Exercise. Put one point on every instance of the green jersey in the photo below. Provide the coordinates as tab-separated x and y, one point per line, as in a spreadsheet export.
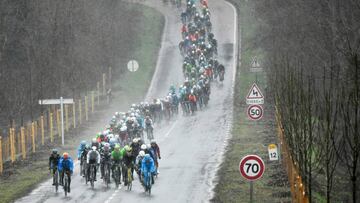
116	155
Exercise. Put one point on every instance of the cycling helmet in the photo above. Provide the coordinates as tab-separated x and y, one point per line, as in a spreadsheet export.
143	147
87	147
142	153
135	140
94	140
54	151
117	147
106	147
65	155
128	149
153	142
93	148
148	146
83	143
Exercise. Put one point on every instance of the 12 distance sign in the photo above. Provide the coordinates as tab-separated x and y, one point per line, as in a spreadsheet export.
252	167
255	112
273	152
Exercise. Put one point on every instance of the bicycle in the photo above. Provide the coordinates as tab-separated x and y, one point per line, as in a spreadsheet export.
56	179
147	183
83	166
106	174
149	133
66	182
117	174
92	175
129	179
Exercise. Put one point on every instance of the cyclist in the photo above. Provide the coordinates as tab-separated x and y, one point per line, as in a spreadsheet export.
155	151
66	165
116	158
147	165
80	151
148	123
128	162
93	157
135	145
105	158
54	161
138	163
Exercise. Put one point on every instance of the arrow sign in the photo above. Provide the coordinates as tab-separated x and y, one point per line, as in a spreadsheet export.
254	96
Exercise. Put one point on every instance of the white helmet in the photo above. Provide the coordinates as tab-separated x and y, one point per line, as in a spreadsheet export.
143	147
124	128
142	153
93	148
135	140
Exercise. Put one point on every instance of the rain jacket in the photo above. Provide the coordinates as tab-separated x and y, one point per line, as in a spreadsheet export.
147	167
80	150
66	164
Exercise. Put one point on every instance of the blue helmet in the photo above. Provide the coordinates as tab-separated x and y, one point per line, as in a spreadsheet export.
83	143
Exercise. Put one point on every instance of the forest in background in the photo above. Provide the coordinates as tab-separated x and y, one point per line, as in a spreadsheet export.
312	59
52	48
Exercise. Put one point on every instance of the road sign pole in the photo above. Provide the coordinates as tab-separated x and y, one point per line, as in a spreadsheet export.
251	191
62	120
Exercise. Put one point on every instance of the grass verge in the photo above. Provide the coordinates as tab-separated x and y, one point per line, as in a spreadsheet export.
23	176
250	137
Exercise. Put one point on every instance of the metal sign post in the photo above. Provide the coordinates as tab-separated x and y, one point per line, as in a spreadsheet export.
252	168
60	101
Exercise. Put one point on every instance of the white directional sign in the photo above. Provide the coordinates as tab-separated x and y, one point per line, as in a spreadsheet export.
55	101
255	112
133	65
251	167
273	152
254	96
60	101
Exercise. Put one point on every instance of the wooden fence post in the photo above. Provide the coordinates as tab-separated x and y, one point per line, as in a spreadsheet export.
1	160
12	145
23	144
80	114
33	137
66	117
51	128
86	108
58	122
42	130
92	101
74	114
98	93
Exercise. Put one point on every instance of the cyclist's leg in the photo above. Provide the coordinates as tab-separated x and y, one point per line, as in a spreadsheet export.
102	166
62	178
69	175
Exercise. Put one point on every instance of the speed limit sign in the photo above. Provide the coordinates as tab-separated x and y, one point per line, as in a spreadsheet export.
255	112
252	167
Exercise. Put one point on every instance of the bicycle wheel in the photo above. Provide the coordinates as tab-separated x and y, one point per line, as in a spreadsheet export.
92	173
56	179
106	175
65	184
129	179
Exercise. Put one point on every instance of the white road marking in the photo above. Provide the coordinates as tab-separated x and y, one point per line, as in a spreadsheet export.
113	195
230	115
172	127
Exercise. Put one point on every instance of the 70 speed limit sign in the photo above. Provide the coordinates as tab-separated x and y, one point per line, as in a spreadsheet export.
255	112
252	167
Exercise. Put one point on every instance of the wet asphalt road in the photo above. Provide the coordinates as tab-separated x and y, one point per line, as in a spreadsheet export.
191	147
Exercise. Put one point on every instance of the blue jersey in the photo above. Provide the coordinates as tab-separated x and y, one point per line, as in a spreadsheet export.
66	164
147	167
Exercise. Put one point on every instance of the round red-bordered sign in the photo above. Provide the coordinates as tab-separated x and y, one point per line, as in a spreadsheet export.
255	112
251	167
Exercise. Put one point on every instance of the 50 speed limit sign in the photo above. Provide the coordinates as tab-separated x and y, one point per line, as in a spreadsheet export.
252	167
255	112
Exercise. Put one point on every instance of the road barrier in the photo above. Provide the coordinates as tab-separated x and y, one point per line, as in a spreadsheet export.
297	187
19	141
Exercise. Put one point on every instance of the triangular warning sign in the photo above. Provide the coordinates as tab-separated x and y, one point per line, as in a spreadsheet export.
255	63
255	93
